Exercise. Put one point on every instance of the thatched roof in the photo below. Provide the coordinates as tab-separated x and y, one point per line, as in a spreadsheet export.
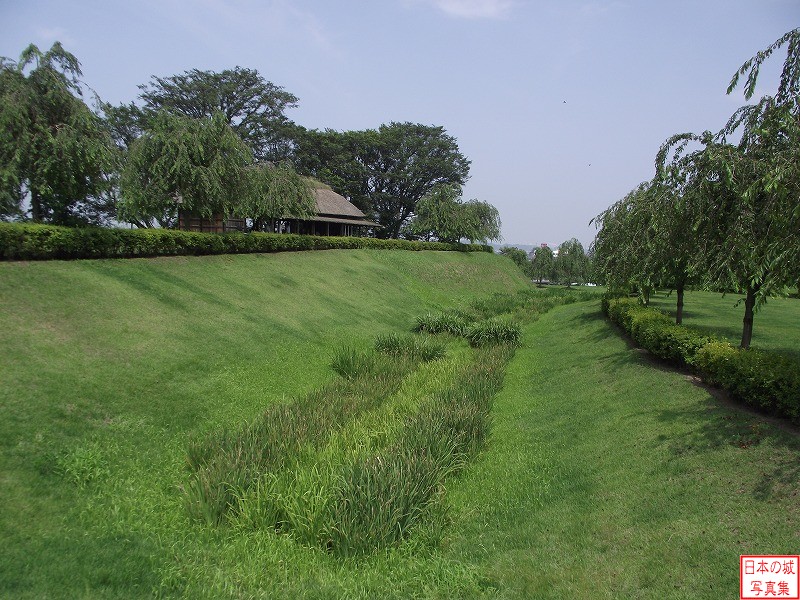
330	203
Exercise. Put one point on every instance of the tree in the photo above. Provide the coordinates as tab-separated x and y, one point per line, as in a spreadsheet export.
748	193
275	192
443	216
542	264
252	106
385	172
482	222
54	149
571	264
623	247
181	163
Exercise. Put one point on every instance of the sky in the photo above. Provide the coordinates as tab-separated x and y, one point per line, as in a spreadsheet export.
560	105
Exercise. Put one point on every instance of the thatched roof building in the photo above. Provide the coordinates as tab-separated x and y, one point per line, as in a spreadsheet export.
335	215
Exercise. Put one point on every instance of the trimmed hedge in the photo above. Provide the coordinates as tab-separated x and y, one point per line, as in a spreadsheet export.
655	332
19	241
765	380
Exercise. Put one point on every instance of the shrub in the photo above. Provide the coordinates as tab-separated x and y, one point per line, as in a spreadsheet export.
654	331
765	380
20	241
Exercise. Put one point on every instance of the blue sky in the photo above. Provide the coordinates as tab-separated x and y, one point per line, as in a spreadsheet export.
561	105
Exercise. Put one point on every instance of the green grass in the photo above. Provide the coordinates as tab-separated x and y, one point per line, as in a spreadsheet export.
111	367
609	478
776	326
602	477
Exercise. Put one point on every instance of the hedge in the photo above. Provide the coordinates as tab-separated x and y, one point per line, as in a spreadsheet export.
765	380
19	241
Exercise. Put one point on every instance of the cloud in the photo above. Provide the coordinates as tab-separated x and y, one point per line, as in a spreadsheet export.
475	9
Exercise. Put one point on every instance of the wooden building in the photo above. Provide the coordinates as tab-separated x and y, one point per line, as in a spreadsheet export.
335	216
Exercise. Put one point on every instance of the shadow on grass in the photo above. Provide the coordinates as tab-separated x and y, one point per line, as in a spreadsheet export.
719	422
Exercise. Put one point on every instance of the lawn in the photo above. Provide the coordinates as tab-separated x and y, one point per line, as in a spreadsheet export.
603	477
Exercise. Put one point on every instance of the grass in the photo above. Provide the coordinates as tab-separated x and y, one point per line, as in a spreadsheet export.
776	326
609	478
111	367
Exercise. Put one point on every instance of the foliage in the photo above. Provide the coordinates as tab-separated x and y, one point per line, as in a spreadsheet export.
443	216
519	256
46	242
654	331
571	265
765	380
726	215
186	164
386	171
274	192
542	263
252	106
53	148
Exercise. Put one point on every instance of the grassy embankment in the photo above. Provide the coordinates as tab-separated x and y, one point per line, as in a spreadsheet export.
111	368
603	477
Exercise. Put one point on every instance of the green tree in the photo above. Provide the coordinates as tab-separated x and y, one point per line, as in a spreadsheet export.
441	215
748	193
53	148
252	106
542	264
275	192
571	264
624	248
181	163
385	172
482	222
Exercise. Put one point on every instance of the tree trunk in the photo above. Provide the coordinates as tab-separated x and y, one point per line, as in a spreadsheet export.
679	311
36	207
747	329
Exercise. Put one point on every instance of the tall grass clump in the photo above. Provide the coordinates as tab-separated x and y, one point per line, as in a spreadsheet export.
415	347
225	465
381	498
350	362
452	322
496	304
493	332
